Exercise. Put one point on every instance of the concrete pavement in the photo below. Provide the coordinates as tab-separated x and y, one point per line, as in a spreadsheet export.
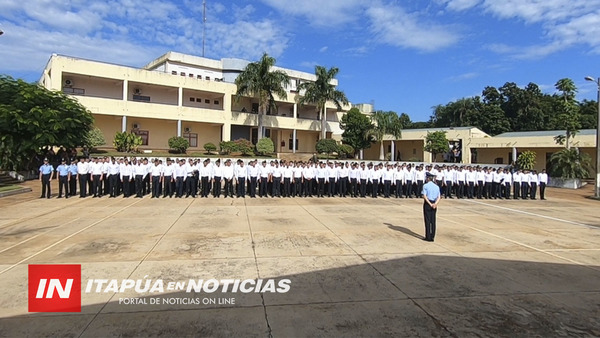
358	267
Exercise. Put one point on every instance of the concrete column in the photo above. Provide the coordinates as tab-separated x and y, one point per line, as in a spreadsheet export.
294	134
180	97
227	103
125	89
295	111
226	132
426	155
466	153
361	154
179	127
124	124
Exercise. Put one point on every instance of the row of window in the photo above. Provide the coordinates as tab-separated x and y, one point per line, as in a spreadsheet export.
199	100
145	135
199	77
193	138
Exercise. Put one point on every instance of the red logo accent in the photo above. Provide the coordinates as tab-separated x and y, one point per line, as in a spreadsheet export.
54	288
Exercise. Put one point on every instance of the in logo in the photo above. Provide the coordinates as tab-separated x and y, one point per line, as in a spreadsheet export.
54	288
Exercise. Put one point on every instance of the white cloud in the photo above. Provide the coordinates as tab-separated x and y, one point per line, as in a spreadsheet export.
319	12
40	44
243	13
460	5
309	64
393	26
464	76
248	40
130	32
323	49
565	23
217	7
540	10
357	51
526	52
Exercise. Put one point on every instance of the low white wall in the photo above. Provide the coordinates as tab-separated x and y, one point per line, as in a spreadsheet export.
567	183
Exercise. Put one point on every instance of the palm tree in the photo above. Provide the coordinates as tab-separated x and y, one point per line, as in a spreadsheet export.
322	91
569	116
385	123
570	163
258	80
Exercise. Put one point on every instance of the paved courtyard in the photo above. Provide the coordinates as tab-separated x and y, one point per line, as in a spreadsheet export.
358	267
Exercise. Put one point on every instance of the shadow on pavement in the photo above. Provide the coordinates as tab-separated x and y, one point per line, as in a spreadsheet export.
423	295
404	230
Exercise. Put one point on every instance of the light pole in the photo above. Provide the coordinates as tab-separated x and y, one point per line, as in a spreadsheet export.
597	191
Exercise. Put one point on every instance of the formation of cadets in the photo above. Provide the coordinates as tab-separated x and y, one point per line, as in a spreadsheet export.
192	177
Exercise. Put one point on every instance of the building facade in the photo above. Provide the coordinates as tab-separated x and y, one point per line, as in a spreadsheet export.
194	97
187	96
476	147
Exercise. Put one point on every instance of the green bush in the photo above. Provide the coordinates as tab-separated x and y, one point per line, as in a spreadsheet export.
179	144
244	146
94	138
327	146
265	146
526	160
210	147
227	147
570	163
127	142
345	150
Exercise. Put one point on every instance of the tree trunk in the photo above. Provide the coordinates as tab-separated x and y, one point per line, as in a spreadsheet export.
381	151
567	140
260	132
323	123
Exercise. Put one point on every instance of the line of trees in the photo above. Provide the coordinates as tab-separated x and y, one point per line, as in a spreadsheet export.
511	108
33	118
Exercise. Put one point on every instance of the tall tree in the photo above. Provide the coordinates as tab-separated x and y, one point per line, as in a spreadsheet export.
405	121
569	110
436	143
530	116
322	91
259	80
385	123
588	111
489	117
356	127
33	117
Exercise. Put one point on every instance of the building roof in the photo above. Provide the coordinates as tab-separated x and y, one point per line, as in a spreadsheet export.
544	133
229	64
442	129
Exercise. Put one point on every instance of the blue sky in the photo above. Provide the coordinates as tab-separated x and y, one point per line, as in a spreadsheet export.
406	56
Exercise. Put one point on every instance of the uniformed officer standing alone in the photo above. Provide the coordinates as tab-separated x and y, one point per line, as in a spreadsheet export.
62	171
431	197
46	171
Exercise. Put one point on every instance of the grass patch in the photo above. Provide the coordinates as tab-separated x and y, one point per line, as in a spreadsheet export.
11	187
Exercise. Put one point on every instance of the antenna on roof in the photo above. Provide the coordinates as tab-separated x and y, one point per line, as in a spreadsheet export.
203	25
